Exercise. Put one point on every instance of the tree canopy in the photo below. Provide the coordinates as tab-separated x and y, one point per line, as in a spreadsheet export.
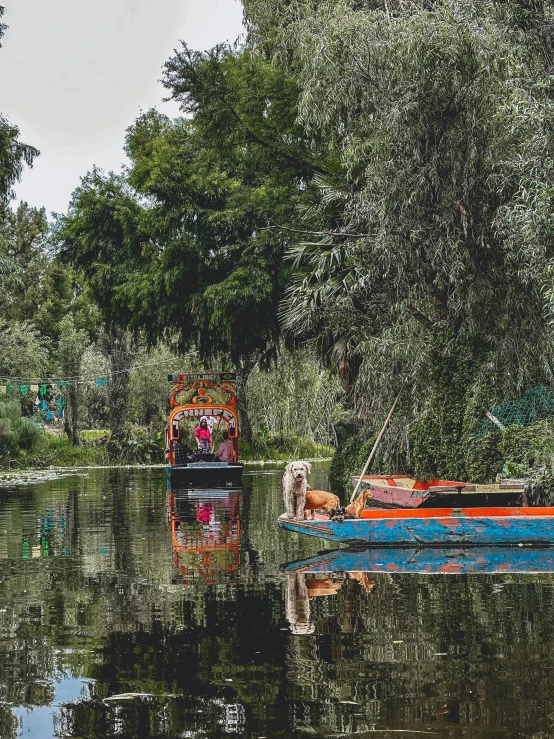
372	177
202	258
440	117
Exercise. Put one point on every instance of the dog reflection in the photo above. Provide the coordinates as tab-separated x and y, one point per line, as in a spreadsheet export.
297	604
301	588
364	580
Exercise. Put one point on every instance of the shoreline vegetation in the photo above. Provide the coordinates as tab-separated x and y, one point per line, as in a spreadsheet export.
143	448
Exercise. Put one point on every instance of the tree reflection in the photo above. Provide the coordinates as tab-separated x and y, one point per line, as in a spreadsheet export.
183	600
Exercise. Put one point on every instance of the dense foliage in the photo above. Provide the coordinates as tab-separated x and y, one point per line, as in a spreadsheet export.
372	178
440	118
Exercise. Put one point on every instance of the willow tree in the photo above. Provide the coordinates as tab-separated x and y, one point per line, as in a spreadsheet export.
440	116
13	153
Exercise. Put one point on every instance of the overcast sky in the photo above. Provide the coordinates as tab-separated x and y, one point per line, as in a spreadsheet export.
74	74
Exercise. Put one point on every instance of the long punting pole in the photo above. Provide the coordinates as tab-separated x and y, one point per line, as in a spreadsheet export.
377	440
213	434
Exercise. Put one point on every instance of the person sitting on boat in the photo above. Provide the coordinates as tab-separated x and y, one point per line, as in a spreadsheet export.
203	435
226	451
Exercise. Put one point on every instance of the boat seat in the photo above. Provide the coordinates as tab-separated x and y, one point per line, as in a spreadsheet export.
180	453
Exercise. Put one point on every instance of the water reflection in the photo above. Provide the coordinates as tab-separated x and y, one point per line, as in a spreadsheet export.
301	588
429	561
205	533
128	611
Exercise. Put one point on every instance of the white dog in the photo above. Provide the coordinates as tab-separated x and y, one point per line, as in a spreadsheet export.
294	489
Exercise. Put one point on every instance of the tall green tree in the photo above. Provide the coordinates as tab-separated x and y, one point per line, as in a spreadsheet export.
14	155
102	238
440	117
216	184
2	25
23	235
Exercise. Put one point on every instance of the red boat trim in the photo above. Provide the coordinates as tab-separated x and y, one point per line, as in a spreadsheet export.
376	513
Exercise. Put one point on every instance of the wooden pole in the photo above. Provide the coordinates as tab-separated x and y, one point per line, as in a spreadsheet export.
495	420
377	440
214	433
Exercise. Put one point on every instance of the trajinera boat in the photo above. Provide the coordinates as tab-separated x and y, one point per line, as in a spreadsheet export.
434	527
210	394
403	491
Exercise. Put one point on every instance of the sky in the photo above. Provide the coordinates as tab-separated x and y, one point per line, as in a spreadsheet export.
74	74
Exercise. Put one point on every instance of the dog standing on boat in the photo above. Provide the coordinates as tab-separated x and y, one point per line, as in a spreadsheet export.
295	483
319	500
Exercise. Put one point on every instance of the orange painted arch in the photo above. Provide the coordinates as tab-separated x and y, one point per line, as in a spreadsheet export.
227	413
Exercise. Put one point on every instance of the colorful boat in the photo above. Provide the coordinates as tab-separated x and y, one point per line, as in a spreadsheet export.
210	394
429	561
403	491
434	527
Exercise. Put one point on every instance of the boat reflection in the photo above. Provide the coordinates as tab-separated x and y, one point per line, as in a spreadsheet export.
205	534
332	572
302	587
431	560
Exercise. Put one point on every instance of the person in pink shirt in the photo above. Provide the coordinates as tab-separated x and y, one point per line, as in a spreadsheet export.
225	453
203	435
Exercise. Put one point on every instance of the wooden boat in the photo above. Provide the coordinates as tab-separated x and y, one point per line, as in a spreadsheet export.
434	527
403	491
210	394
429	561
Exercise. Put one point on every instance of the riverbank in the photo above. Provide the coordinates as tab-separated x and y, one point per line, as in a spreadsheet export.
143	447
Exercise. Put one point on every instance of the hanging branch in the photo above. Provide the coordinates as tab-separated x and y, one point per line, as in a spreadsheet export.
315	233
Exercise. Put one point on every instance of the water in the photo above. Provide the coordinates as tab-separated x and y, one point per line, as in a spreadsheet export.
111	586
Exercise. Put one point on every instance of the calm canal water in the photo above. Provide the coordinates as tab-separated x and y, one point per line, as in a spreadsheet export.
110	585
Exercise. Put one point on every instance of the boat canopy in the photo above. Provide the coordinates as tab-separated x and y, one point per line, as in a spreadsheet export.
203	394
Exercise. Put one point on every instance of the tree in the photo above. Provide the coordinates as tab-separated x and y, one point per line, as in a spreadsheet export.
440	116
13	156
23	351
23	246
2	25
117	348
216	184
71	348
102	238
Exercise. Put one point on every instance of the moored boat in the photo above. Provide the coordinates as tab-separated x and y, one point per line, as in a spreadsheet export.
403	491
434	527
210	394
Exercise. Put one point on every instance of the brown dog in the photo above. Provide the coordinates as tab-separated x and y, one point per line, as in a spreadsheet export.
320	500
357	506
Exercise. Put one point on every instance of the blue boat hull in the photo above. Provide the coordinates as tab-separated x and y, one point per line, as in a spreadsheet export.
451	529
430	561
